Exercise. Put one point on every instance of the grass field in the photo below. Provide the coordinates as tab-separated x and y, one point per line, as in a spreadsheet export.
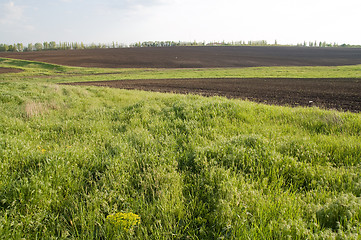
74	158
44	72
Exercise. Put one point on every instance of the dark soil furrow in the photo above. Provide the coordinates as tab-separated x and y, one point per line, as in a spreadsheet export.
196	57
340	94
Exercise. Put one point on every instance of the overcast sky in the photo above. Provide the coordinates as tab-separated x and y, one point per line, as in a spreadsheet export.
129	21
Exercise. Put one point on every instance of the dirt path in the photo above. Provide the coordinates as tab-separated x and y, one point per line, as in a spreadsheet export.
340	94
196	57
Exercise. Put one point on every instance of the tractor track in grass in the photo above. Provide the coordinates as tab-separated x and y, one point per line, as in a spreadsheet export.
9	70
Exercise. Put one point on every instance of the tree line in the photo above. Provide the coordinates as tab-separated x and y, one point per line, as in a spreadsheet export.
195	43
20	47
324	44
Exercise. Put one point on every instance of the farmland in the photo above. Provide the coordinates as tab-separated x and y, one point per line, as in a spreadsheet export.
342	94
191	167
195	57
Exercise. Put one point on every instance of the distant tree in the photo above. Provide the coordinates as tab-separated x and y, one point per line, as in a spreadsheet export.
30	47
65	46
19	47
46	45
93	46
38	46
52	45
15	48
11	48
4	47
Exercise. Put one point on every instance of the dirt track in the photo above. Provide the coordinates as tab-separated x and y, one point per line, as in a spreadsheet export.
341	94
196	57
9	70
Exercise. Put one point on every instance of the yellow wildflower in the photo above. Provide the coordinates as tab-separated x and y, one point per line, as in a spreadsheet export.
125	221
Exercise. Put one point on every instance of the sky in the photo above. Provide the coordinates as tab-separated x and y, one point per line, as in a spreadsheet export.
130	21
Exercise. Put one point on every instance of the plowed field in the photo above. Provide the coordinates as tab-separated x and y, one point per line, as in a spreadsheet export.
196	57
341	94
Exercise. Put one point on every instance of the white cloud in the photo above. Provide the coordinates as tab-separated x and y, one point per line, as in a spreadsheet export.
13	21
11	13
126	5
128	21
130	3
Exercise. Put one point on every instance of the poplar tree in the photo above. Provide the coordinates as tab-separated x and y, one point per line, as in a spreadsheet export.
46	45
30	47
19	47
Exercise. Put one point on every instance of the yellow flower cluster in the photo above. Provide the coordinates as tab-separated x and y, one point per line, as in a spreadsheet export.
42	149
124	221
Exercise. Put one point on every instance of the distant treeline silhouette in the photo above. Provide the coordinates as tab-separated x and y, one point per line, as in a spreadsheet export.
19	47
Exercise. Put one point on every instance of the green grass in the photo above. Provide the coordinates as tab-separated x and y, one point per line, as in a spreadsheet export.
191	167
44	72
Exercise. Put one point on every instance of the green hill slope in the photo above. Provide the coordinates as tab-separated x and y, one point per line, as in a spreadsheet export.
190	167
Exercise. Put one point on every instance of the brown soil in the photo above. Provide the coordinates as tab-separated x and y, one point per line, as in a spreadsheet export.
196	57
340	94
9	70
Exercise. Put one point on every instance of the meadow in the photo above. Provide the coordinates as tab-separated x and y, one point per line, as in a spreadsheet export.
83	162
